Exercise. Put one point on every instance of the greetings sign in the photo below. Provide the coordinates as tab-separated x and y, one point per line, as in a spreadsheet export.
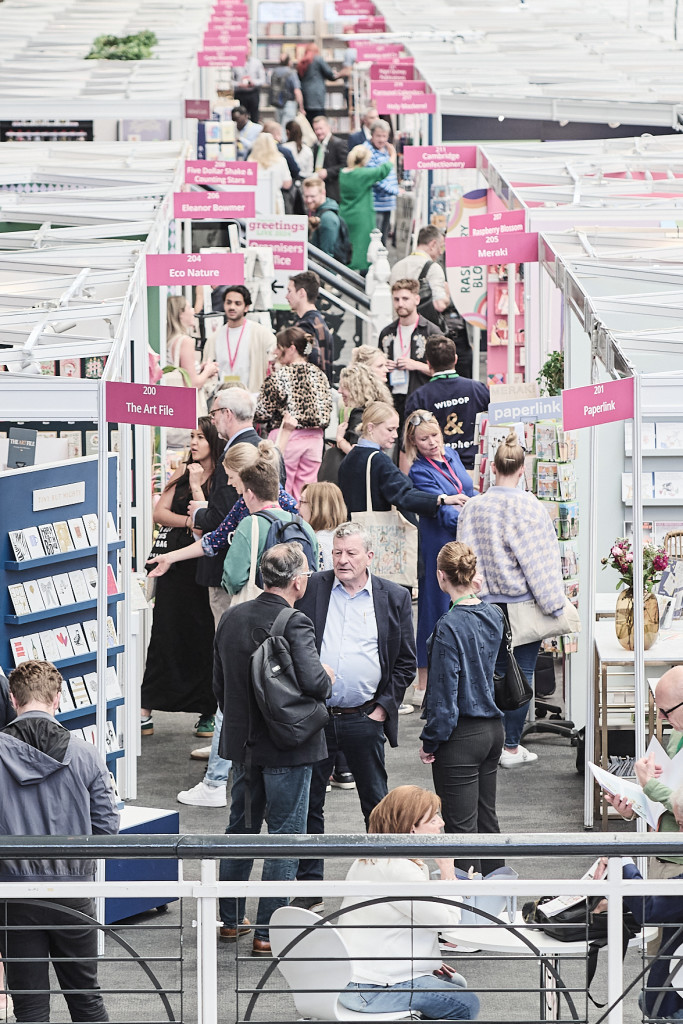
439	158
494	238
221	172
597	403
288	239
213	205
195	268
152	405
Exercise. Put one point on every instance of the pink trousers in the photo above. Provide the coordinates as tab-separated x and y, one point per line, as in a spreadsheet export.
303	455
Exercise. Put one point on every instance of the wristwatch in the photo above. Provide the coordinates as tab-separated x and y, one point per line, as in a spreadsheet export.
441	500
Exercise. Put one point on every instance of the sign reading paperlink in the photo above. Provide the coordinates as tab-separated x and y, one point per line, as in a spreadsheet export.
438	158
213	205
494	238
525	409
597	403
195	268
400	102
152	405
221	172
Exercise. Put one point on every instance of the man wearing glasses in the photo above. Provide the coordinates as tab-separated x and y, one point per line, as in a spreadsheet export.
669	701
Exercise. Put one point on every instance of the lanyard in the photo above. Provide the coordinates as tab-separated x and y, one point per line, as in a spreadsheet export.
405	351
465	597
233	359
458	485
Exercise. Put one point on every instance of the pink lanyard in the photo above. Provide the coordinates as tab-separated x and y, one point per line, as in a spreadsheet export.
233	359
458	485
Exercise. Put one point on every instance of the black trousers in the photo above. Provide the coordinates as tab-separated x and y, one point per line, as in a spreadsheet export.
249	98
464	773
31	936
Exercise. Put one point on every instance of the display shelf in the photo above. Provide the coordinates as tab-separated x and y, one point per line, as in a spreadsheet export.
80	659
64	556
658	453
115	755
89	709
264	40
654	502
63	609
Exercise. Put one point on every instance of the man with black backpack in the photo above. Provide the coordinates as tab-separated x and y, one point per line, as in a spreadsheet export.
424	267
330	232
284	91
264	644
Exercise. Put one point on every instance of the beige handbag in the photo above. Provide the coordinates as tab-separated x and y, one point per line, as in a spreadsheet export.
394	539
529	623
249	591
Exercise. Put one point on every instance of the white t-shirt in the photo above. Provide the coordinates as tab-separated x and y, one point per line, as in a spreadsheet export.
233	357
399	378
303	158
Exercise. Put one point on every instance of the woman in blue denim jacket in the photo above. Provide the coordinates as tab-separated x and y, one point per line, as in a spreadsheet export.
463	734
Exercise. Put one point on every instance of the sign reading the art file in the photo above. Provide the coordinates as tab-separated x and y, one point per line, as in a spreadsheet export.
195	268
406	103
213	205
597	403
152	405
221	172
494	238
438	158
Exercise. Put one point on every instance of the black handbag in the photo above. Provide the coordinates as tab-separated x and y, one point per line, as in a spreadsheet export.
512	690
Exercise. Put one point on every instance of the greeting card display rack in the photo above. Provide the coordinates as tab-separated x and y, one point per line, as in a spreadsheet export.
24	493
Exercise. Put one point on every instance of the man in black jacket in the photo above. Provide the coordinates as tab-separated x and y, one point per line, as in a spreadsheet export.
276	781
403	342
329	156
364	630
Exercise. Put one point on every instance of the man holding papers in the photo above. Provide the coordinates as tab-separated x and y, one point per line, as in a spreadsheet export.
660	772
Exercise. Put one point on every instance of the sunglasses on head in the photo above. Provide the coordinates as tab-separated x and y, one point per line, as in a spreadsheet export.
420	417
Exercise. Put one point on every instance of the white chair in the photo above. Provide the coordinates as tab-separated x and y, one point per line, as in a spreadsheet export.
319	960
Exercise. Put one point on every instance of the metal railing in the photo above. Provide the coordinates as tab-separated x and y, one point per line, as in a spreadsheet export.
256	991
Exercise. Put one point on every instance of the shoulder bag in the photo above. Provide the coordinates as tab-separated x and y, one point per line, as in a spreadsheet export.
394	539
512	690
529	623
249	591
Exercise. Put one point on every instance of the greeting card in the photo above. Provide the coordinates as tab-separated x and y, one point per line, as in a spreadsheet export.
19	651
35	545
669	435
79	692
90	523
49	539
19	599
63	643
112	635
90	630
65	594
90	575
668	485
64	537
113	685
19	546
112	585
34	648
50	645
112	532
77	638
48	592
74	440
66	701
78	534
78	585
546	480
34	596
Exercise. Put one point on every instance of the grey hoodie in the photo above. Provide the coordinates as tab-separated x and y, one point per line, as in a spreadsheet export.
51	784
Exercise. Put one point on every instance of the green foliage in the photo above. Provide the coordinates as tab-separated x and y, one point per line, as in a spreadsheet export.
551	377
137	47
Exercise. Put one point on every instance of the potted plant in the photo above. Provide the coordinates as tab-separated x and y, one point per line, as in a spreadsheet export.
655	561
551	377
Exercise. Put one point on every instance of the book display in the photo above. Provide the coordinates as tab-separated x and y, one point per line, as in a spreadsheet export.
48	586
501	302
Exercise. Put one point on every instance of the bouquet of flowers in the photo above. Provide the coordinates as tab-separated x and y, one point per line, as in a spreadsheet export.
655	561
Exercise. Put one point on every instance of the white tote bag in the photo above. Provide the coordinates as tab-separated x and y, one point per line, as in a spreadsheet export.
394	539
529	623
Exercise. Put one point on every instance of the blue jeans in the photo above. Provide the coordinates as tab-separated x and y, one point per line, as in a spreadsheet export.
362	740
383	222
435	998
286	113
218	769
280	796
526	655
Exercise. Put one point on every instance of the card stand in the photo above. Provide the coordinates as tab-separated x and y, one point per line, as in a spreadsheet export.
87	710
80	659
63	609
64	556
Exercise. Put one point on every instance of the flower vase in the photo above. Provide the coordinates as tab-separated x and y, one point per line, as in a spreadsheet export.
623	620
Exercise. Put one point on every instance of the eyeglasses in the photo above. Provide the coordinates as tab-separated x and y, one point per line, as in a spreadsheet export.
670	710
420	417
309	573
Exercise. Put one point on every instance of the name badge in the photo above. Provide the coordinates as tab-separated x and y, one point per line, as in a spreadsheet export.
397	378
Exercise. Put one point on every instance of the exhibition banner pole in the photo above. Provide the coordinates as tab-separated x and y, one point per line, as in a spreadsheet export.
512	295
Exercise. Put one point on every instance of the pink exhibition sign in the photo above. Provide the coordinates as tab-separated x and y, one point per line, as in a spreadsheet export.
287	256
355	7
198	109
503	223
593	404
213	205
474	252
195	268
151	405
220	58
378	51
221	172
406	103
398	70
439	158
370	25
380	89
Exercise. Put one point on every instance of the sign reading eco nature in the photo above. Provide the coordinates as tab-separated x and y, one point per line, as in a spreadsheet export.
195	268
213	205
597	403
400	102
438	158
221	172
494	238
152	405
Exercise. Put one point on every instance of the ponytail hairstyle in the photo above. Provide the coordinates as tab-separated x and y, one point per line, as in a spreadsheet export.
509	456
297	337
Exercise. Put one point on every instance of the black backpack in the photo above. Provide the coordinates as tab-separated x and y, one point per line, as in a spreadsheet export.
290	716
285	531
426	306
343	250
277	91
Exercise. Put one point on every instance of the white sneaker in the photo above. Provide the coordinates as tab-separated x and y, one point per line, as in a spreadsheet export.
405	709
523	756
200	753
414	696
203	795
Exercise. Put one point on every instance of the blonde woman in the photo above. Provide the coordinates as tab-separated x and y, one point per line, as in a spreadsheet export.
375	360
180	347
359	388
356	206
267	156
323	508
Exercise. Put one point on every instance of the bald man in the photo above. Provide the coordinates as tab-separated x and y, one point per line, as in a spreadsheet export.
669	701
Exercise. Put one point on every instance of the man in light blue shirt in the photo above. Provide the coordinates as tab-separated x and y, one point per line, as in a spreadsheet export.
247	131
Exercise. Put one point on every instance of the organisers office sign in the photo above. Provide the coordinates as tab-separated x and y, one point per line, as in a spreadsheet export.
287	237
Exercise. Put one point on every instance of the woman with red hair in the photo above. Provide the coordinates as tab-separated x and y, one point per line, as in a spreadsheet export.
313	71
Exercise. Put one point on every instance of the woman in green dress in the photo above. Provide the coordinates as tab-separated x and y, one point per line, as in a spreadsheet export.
356	206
